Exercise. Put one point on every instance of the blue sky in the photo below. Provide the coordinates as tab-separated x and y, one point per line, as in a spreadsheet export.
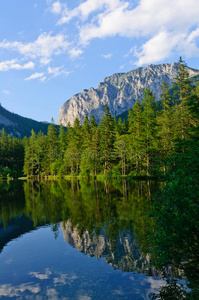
51	50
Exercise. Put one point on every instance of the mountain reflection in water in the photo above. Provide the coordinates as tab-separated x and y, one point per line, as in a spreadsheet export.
125	256
101	219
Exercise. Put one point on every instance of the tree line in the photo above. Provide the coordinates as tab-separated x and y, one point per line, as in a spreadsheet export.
138	146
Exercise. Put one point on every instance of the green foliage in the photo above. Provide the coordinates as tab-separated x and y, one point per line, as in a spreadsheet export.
173	290
11	155
107	138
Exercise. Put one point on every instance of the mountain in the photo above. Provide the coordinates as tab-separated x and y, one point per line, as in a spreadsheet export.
18	126
119	91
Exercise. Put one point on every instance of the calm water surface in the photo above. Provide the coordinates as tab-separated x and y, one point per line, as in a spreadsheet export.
76	240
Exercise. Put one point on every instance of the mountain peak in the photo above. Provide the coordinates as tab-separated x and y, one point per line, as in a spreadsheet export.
119	91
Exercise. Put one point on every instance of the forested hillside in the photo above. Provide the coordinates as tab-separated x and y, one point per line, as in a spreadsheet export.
18	126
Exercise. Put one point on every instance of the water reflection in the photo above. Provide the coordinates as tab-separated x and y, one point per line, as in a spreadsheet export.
126	255
107	221
115	211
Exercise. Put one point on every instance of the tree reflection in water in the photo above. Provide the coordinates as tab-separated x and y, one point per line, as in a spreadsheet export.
109	219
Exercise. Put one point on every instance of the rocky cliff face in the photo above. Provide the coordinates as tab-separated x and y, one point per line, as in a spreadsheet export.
124	254
119	91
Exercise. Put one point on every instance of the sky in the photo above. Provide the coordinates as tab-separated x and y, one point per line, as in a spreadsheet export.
51	49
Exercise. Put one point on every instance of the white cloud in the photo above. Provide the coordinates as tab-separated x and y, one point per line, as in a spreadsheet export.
43	78
56	7
188	46
57	71
44	47
165	26
45	61
107	55
36	76
75	52
15	65
54	72
85	9
157	48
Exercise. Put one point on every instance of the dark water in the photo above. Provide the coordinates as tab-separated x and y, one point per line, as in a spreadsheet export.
76	240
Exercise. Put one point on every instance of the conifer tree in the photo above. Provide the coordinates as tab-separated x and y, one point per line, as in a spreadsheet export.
121	150
39	153
30	154
107	138
4	148
193	106
86	133
150	127
74	148
136	136
121	127
62	140
52	147
86	148
95	140
165	123
183	92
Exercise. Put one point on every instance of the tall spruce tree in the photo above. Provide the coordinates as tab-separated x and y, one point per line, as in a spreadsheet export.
95	141
182	93
107	139
136	136
150	128
165	124
193	106
30	154
74	148
86	148
52	153
4	148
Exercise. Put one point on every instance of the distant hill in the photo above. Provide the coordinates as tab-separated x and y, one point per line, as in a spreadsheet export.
19	126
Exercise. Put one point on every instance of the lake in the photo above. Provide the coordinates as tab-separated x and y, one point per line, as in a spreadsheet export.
76	240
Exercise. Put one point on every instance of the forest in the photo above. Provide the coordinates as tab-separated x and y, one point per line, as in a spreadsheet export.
143	145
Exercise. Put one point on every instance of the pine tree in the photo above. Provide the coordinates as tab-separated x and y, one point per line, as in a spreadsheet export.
136	136
120	126
121	150
62	140
52	146
193	106
183	92
95	141
165	123
107	138
30	154
39	152
4	148
86	148
150	127
73	152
